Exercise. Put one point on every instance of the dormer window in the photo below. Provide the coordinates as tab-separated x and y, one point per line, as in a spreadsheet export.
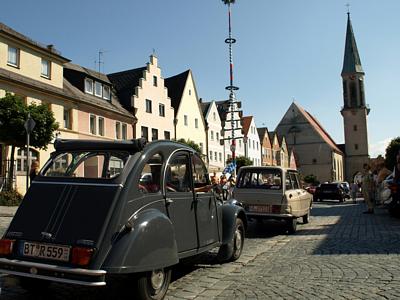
106	92
46	68
89	86
98	89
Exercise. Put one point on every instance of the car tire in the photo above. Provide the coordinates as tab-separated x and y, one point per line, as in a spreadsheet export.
233	250
291	225
306	218
34	285
153	285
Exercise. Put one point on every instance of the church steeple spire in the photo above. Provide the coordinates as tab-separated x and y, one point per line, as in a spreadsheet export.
352	62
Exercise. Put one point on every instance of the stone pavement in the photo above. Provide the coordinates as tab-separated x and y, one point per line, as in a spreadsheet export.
340	254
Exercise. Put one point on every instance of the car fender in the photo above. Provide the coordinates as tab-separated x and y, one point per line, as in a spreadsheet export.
231	210
146	243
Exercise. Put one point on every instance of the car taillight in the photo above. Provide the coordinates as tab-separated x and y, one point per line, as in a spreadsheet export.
81	256
6	246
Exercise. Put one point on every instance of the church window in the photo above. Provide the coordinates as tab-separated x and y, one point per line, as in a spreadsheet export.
356	146
353	94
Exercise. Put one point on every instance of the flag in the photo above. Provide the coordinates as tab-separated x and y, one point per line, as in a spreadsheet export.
230	168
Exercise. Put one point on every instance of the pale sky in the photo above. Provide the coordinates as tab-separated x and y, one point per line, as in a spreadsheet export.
285	50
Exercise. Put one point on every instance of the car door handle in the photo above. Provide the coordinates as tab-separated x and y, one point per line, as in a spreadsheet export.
169	201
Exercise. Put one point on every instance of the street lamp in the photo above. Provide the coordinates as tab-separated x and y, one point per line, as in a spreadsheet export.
29	125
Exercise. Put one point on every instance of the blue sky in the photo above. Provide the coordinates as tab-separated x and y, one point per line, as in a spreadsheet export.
285	50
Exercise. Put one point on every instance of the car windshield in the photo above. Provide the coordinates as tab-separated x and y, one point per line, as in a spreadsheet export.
261	179
86	164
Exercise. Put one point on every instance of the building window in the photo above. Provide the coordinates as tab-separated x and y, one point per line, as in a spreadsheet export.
92	124
211	155
214	116
117	130
101	126
185	120
196	123
161	110
154	134
154	80
148	106
355	127
46	68
21	158
167	135
124	131
98	89
212	135
88	86
215	156
356	146
314	161
257	145
13	56
67	118
106	92
190	92
217	136
145	133
220	156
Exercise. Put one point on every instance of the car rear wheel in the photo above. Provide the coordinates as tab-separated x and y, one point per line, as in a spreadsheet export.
153	285
306	218
291	225
233	250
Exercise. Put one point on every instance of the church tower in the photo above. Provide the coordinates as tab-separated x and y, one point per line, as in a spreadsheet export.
355	110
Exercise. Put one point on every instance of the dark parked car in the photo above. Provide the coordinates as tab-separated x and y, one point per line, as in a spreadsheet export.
331	191
100	208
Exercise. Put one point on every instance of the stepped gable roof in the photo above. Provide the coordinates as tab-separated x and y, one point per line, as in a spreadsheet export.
92	73
125	83
318	128
246	121
49	49
176	85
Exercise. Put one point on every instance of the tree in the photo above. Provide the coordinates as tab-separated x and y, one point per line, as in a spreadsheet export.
311	179
240	162
192	144
13	114
391	152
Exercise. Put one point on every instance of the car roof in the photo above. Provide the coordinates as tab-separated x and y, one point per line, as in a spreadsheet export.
266	168
131	146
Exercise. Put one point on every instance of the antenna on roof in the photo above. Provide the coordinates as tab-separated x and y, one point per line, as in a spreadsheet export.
99	62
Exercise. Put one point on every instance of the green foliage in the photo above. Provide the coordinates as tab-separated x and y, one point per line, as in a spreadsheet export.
14	113
10	198
192	144
391	152
240	162
311	179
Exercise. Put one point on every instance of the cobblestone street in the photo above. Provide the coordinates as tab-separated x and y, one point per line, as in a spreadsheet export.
340	254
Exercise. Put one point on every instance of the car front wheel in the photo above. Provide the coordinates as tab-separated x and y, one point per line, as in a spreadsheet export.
233	250
153	285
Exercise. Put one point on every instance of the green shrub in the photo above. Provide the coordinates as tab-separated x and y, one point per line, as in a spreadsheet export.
10	198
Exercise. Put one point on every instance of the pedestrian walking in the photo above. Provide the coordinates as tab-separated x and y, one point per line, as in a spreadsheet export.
34	170
354	191
367	187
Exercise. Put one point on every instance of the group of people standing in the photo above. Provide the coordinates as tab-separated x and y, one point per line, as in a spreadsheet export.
372	184
223	185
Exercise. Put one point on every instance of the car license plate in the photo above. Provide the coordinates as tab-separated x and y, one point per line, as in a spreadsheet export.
260	208
48	251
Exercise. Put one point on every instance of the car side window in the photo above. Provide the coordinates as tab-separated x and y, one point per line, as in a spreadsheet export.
150	176
200	176
294	181
288	182
177	177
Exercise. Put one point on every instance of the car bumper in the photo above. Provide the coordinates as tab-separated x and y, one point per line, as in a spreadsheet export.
269	215
53	273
